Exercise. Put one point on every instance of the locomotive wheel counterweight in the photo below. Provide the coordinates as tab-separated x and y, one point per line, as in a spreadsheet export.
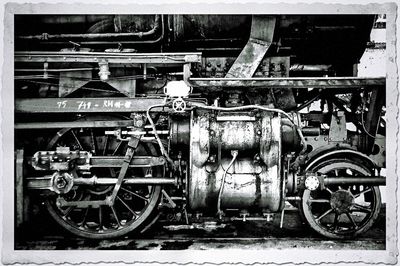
134	205
341	211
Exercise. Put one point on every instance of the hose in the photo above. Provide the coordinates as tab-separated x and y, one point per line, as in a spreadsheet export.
234	155
246	107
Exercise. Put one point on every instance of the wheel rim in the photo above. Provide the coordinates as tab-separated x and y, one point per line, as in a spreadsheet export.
134	204
341	211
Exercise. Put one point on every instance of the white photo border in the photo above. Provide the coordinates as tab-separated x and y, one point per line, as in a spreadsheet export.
213	257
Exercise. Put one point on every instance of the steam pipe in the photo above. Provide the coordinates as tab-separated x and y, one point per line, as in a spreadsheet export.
157	23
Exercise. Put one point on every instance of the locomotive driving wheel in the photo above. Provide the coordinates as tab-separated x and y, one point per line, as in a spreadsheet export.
341	212
135	205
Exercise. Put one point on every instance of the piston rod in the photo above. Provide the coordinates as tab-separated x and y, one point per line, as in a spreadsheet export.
46	182
127	181
372	180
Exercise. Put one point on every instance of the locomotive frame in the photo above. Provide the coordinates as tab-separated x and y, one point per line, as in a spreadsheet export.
132	105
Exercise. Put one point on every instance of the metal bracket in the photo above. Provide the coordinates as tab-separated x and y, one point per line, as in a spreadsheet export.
338	130
262	32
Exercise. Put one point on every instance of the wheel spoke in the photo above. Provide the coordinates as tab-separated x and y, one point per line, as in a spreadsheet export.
100	217
127	206
99	221
335	222
68	211
344	200
360	208
362	192
134	194
352	220
83	222
115	215
336	172
105	145
116	149
93	141
323	215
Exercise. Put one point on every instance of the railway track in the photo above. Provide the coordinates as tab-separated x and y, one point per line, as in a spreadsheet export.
255	235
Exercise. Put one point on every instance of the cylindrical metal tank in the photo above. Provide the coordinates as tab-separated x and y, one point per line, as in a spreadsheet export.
254	180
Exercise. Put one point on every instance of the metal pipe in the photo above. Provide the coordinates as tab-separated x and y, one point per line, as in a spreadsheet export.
74	124
294	198
103	35
129	181
55	69
311	131
373	180
221	190
299	67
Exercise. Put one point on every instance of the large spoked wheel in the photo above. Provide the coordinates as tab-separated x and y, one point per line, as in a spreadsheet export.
342	212
135	205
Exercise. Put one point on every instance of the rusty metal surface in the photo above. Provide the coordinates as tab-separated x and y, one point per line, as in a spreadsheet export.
250	183
261	35
247	185
248	61
235	135
337	129
305	83
84	105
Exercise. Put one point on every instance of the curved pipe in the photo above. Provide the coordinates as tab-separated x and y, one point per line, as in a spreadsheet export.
158	22
221	189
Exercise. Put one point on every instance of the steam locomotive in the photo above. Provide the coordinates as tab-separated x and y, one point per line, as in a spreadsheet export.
121	120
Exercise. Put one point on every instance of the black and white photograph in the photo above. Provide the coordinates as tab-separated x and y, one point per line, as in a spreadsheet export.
240	134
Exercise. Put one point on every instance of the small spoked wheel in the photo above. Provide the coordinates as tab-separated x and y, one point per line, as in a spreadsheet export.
342	212
135	205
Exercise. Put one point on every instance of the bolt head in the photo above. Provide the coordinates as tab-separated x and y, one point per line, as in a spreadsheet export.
61	182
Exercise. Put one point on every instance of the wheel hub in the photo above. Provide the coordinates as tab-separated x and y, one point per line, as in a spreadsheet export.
341	201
